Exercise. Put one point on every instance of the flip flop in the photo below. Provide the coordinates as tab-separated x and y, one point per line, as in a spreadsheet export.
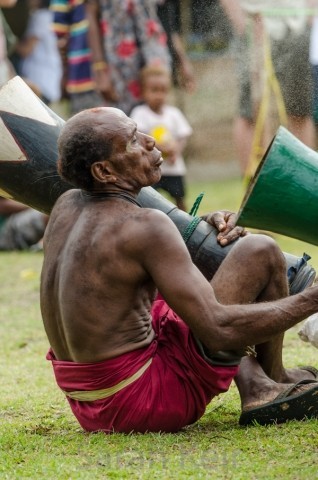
285	406
310	369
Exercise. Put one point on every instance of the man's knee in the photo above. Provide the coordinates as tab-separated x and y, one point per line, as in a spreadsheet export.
262	248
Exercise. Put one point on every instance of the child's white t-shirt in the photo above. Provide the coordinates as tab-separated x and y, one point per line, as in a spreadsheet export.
171	122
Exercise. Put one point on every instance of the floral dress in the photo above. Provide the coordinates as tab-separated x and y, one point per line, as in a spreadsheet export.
133	37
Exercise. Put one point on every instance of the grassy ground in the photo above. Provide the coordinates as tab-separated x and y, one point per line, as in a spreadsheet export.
39	438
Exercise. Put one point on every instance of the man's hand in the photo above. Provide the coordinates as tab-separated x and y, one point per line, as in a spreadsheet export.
225	222
104	85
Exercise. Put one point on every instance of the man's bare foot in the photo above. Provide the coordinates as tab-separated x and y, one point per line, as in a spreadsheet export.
263	396
269	396
296	402
294	375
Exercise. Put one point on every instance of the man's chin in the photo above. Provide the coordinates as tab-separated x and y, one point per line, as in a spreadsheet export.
157	179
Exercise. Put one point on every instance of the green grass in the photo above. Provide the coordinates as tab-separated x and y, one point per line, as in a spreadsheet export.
39	438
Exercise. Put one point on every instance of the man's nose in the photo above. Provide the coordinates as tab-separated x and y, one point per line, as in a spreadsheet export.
150	142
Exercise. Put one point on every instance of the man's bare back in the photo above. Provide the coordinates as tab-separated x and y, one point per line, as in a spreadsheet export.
111	294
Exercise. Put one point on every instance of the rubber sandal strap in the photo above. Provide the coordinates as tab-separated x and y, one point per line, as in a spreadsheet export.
287	393
310	369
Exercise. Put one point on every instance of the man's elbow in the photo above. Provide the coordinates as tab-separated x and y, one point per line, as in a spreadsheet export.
220	333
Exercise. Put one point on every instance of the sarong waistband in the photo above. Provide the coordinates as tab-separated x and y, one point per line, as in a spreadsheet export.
91	395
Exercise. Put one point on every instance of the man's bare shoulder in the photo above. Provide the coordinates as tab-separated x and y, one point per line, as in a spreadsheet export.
68	200
66	208
156	221
154	228
67	196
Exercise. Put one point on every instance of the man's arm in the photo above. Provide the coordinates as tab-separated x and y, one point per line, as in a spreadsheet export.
187	78
100	69
163	254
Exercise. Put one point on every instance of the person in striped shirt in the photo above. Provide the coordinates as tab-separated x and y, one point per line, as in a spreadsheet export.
71	27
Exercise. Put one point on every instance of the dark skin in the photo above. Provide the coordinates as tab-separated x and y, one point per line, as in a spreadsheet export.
9	207
105	258
101	74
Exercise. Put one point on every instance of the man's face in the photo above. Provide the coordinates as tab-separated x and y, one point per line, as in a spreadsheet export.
135	159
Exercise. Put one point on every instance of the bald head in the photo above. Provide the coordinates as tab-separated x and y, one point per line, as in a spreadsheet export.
86	138
98	115
103	119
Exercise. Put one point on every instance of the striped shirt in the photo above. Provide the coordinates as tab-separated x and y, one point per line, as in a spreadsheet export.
70	22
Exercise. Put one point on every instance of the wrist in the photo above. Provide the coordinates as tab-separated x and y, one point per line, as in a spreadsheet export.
98	66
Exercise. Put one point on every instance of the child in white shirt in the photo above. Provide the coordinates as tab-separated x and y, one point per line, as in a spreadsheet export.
168	126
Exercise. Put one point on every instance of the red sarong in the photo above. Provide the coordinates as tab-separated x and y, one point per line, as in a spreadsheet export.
173	392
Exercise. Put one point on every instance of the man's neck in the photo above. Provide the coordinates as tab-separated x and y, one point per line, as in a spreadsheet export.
103	195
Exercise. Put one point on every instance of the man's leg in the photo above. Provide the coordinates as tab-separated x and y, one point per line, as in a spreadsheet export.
255	271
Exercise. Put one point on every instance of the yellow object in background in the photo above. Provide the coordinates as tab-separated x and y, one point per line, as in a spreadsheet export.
29	274
161	134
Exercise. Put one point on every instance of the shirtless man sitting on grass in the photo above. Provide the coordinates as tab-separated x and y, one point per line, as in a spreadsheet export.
129	358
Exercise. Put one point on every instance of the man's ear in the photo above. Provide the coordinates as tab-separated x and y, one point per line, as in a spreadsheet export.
102	172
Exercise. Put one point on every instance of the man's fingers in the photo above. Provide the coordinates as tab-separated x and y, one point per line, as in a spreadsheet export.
229	235
220	221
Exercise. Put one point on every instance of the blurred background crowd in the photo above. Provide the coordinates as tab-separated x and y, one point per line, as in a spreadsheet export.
211	80
91	52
